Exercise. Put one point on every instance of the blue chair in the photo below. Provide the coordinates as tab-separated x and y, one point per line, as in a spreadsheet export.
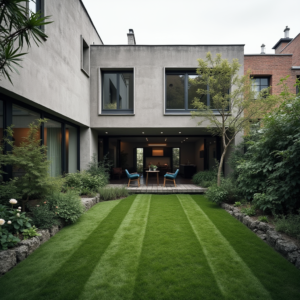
171	176
133	177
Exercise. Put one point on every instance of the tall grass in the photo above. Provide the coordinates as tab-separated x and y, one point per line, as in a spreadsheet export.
112	193
289	224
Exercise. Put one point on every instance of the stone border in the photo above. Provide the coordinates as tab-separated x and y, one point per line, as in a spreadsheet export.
11	257
267	233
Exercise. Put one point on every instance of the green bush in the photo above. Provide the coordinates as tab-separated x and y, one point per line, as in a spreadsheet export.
101	168
236	204
205	178
8	190
269	171
113	193
84	182
30	232
7	239
263	219
249	210
289	224
67	206
43	217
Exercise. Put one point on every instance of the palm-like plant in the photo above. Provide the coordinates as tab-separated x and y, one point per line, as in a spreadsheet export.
18	28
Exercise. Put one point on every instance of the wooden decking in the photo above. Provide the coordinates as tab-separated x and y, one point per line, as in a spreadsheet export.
160	189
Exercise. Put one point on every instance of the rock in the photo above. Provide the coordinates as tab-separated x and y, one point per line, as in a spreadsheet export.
8	260
54	230
263	226
87	203
44	235
223	205
254	230
262	236
272	237
235	210
246	221
259	232
241	217
254	225
285	247
21	252
293	257
32	244
230	212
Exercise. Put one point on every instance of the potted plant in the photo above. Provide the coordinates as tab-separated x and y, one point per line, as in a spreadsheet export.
153	167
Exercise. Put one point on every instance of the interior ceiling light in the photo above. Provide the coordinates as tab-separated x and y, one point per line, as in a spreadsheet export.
106	132
161	132
157	145
179	132
143	132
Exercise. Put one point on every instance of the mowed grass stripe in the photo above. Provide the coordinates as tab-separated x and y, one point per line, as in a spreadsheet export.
32	274
68	282
114	276
233	276
172	263
275	273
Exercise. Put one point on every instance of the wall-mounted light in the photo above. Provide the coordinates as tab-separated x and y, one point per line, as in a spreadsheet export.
147	139
165	140
187	138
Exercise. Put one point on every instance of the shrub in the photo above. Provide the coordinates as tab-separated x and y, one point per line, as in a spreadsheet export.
216	194
263	219
236	204
249	210
67	206
205	178
43	217
289	224
84	182
113	193
30	232
7	240
101	168
8	190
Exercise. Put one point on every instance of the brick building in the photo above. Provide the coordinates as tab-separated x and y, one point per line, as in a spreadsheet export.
268	69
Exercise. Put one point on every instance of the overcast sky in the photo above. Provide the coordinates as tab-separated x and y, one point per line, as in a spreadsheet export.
196	22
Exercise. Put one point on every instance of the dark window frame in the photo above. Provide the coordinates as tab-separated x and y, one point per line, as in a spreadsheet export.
260	85
186	110
117	111
8	103
40	6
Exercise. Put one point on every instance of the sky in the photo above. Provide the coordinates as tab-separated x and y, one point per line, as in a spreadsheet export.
196	22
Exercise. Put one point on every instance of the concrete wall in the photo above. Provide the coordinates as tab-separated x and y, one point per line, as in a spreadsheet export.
148	63
51	77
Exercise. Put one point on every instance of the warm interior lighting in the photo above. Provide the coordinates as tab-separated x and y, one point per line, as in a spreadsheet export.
157	152
157	145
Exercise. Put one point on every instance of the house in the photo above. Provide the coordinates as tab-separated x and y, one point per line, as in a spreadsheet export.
131	101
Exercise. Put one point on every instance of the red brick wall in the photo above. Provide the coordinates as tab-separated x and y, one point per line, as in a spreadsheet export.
274	66
280	47
294	48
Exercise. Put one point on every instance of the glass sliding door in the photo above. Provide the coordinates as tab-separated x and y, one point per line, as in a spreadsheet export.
52	139
140	160
71	149
176	158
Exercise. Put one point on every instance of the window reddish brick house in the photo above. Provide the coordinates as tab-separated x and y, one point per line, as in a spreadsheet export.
272	67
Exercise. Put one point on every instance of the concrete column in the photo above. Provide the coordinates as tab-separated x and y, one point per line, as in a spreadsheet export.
88	146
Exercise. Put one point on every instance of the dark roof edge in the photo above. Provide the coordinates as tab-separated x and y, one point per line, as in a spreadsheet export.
268	54
282	40
290	42
170	45
90	20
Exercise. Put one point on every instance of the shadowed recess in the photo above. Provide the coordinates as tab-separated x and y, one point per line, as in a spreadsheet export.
172	263
70	279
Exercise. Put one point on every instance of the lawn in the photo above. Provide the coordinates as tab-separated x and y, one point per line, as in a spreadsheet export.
154	247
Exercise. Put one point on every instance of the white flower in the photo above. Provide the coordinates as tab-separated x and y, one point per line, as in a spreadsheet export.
18	215
13	201
2	222
8	222
19	207
19	210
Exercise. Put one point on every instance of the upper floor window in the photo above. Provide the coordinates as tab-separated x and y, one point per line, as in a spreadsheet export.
117	92
35	6
181	90
297	86
258	84
85	56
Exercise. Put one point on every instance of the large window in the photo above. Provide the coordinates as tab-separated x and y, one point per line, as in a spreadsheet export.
71	149
140	160
181	91
36	6
258	84
117	92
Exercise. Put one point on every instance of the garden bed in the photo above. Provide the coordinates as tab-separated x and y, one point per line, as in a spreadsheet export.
288	247
11	257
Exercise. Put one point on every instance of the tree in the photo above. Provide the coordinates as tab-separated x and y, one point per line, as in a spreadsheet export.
233	103
18	27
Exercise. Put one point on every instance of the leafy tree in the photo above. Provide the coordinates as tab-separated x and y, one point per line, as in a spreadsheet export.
232	100
17	28
269	172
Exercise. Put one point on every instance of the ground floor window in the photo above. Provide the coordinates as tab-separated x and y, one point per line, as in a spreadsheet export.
140	160
176	158
60	137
